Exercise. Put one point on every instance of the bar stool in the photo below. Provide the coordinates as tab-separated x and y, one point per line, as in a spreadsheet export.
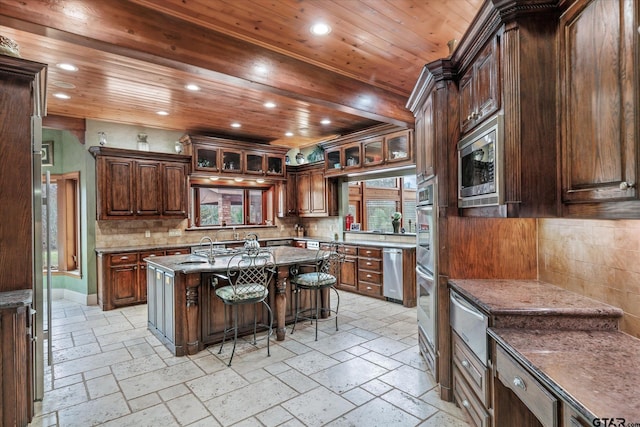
248	276
326	270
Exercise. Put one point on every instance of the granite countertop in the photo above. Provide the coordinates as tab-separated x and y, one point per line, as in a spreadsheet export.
14	299
190	264
595	371
139	248
530	298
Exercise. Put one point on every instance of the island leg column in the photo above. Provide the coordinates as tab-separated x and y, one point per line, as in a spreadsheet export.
281	302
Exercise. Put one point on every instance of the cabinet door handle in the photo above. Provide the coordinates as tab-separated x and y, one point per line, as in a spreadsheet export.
626	185
124	258
368	276
368	263
368	288
519	382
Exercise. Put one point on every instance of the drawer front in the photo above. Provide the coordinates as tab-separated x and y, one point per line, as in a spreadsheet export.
179	251
370	288
476	413
123	258
471	369
539	401
370	264
571	418
350	250
370	252
150	254
369	276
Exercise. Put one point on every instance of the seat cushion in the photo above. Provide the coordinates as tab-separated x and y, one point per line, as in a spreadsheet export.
242	293
314	280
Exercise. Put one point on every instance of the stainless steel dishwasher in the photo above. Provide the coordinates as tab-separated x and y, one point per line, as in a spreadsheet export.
392	274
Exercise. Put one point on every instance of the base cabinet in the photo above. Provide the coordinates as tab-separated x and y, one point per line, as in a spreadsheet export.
122	277
16	394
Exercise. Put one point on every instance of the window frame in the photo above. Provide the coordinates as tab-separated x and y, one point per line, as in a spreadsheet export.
68	222
267	191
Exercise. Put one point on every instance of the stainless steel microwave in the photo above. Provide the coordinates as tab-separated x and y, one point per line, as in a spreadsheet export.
480	160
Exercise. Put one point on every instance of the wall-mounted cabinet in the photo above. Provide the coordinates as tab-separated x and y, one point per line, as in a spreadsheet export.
140	185
342	159
310	193
379	147
480	88
599	109
219	156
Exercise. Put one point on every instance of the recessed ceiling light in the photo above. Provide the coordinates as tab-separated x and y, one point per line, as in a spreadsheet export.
320	29
67	67
288	134
269	104
325	121
61	95
162	113
193	87
236	125
64	85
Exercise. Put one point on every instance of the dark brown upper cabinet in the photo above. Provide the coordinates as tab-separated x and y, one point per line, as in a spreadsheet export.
480	88
140	185
599	109
230	158
384	146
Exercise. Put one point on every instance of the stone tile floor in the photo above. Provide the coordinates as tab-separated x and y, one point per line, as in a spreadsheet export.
109	370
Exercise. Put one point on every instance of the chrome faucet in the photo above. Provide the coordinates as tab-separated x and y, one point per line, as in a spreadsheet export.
205	238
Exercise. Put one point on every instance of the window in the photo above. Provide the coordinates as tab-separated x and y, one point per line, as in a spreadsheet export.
63	204
224	206
376	200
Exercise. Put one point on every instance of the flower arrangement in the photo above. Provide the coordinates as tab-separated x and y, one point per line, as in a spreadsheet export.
396	216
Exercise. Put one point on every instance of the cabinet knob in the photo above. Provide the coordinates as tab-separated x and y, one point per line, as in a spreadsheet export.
626	185
368	288
368	276
465	403
519	382
469	117
465	363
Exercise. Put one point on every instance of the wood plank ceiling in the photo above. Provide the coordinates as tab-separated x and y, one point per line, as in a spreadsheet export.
135	58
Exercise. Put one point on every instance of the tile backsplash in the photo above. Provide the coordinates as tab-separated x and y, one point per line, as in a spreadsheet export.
596	258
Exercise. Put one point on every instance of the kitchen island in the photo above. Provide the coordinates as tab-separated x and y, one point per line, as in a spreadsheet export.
183	310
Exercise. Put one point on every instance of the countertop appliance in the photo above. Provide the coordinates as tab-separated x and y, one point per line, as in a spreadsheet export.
426	273
393	278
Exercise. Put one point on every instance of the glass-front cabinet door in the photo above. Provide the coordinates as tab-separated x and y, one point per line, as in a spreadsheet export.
254	163
333	160
352	156
231	161
398	146
206	158
275	165
373	152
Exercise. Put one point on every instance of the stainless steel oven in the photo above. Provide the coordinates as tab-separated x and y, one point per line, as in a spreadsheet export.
426	272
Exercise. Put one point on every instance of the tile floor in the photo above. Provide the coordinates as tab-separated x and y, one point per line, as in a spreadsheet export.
109	370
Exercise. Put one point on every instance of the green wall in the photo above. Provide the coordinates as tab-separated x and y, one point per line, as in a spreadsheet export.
69	155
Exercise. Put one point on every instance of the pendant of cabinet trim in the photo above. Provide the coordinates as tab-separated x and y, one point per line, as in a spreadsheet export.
140	185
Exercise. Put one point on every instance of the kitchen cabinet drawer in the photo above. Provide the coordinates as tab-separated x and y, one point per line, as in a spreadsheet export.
476	413
471	368
539	401
373	277
178	251
371	289
351	250
370	252
370	264
571	418
150	254
123	258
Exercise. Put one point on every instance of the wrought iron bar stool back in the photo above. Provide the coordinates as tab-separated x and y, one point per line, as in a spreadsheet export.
324	275
246	282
